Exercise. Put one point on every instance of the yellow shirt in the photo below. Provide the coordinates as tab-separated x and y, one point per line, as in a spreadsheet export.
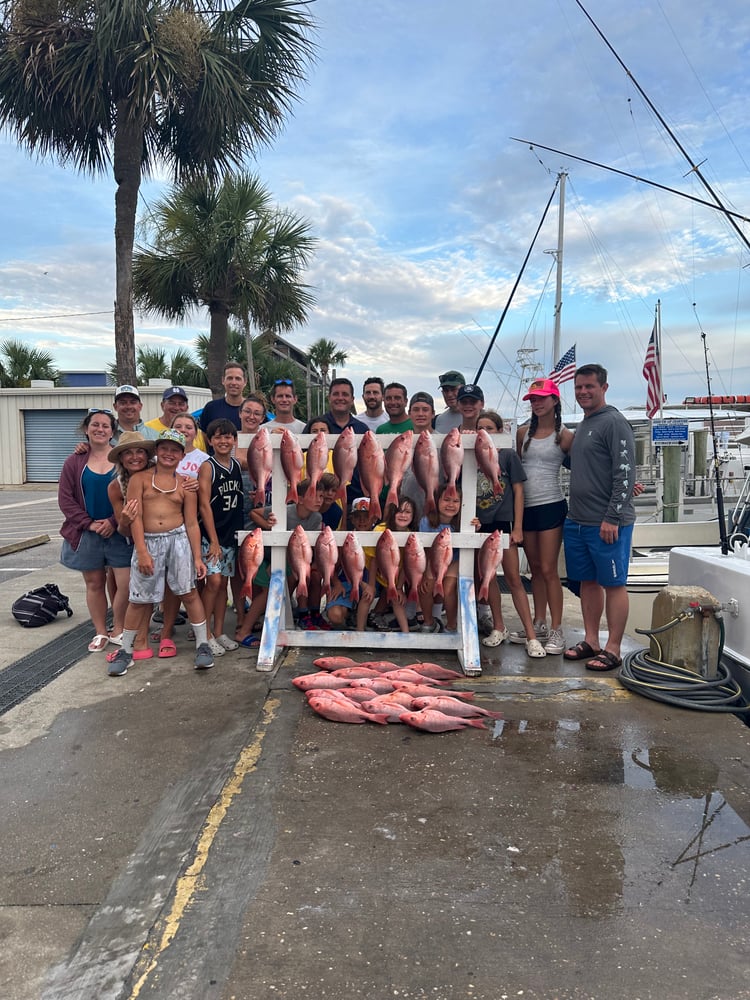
200	439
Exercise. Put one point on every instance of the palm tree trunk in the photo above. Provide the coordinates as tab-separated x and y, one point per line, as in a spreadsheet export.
249	353
217	350
128	150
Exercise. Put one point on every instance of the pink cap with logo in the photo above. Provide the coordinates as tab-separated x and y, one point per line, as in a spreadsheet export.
543	387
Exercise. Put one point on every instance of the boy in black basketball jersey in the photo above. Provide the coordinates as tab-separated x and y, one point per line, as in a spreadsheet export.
220	504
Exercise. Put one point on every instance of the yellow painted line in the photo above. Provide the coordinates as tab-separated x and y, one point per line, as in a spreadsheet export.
190	881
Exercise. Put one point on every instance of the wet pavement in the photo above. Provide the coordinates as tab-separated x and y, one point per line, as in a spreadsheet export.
178	834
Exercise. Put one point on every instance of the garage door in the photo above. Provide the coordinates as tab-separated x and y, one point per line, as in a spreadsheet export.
50	436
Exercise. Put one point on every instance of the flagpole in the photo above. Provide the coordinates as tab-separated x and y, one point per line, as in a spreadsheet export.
657	325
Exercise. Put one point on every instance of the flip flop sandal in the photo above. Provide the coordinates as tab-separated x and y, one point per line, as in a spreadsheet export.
604	661
581	651
250	642
98	644
143	654
166	649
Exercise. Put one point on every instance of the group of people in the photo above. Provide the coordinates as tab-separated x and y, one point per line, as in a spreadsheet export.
160	503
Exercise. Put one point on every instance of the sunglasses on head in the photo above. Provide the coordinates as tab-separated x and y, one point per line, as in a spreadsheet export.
99	409
283	381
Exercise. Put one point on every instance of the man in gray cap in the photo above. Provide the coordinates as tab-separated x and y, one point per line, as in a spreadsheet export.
450	383
174	401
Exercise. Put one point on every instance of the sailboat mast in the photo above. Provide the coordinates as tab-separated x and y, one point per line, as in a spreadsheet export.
559	276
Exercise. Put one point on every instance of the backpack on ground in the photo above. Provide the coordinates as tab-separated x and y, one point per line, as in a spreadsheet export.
40	606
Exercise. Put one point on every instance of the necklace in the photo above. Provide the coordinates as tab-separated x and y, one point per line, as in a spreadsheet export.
158	488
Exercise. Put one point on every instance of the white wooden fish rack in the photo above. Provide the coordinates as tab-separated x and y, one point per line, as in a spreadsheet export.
278	624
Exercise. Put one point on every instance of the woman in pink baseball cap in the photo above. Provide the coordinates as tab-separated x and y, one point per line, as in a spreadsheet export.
542	445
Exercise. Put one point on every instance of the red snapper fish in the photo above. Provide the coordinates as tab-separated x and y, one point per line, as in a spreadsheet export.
300	556
427	468
392	710
334	662
381	665
452	455
371	465
389	560
357	695
250	558
375	684
345	460
353	562
320	680
291	462
415	564
441	556
355	673
260	462
433	670
489	558
407	674
488	460
423	690
317	459
397	461
338	711
326	557
431	721
453	706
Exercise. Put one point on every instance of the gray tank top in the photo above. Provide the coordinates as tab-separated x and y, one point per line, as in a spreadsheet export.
541	462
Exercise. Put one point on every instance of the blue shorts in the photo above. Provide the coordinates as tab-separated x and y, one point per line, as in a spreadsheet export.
95	552
588	558
225	564
343	600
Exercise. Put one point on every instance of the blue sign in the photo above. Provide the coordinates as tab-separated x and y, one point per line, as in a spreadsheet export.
669	432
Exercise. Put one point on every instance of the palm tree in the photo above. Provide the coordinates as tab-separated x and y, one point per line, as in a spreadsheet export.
19	364
325	354
137	83
224	246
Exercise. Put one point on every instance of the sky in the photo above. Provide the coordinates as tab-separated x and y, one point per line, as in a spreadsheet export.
400	154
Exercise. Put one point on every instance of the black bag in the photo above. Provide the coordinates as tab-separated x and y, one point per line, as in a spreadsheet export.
40	606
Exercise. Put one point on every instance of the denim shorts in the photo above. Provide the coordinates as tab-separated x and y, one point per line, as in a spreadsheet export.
95	552
588	557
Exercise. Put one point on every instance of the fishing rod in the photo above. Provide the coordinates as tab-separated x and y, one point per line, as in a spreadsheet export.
624	173
694	167
723	538
515	286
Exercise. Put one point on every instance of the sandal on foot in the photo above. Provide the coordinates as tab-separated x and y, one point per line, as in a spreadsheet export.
98	644
116	640
581	651
535	649
250	642
604	661
166	649
496	637
226	642
143	654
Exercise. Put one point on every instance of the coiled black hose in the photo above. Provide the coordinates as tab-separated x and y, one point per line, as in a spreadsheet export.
666	682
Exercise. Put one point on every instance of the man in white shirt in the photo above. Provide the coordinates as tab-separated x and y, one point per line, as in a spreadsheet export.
372	394
283	401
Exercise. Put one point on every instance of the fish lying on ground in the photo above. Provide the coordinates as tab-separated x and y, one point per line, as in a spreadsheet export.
454	706
322	680
334	662
437	722
407	674
423	690
336	711
433	670
357	672
381	705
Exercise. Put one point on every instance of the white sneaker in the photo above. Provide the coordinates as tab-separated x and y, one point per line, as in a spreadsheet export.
556	642
534	648
216	647
540	631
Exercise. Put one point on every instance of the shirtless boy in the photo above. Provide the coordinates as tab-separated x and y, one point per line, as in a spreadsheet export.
167	546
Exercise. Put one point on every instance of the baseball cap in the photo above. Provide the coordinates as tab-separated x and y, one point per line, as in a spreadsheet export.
543	387
127	390
174	436
361	503
174	390
422	397
452	379
470	392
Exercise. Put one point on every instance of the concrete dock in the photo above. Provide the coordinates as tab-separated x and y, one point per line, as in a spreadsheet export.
205	835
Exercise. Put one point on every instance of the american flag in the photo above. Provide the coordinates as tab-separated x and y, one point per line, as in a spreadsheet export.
652	374
565	369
